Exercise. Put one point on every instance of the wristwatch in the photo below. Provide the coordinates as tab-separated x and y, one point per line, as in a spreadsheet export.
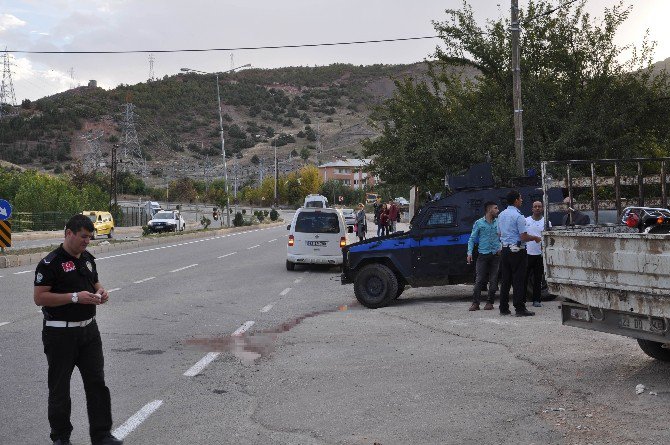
75	298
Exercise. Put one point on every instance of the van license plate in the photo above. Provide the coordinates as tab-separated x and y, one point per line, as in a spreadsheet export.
317	243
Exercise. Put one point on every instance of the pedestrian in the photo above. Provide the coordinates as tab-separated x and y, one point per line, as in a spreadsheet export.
394	213
574	217
68	289
383	228
361	222
535	269
377	206
512	229
485	232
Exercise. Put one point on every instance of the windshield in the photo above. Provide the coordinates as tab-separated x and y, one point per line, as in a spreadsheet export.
315	204
163	215
317	222
92	218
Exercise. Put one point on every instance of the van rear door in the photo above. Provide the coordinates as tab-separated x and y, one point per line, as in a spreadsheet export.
318	232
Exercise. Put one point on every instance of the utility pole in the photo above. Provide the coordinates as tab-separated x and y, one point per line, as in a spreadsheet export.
7	96
275	146
112	187
151	67
516	91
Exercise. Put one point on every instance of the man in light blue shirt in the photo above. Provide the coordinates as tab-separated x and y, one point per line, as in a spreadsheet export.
512	228
485	233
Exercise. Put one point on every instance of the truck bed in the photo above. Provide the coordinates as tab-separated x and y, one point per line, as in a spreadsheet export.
607	268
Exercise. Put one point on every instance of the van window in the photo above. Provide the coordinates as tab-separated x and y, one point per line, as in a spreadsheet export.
315	204
317	222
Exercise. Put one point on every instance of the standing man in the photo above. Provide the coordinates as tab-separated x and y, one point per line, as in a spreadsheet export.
534	227
377	206
361	222
485	230
68	289
512	228
393	216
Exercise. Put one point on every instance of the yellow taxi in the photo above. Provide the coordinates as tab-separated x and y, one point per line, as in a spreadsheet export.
102	222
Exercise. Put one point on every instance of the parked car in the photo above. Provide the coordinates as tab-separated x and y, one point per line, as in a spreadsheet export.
167	221
103	223
316	236
349	216
401	201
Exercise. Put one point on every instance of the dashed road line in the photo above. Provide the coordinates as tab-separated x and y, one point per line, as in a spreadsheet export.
297	280
228	254
184	268
285	291
272	240
25	271
143	280
113	290
202	363
244	328
267	308
136	419
2	323
253	247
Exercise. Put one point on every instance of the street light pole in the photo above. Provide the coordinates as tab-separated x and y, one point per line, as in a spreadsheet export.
274	142
223	142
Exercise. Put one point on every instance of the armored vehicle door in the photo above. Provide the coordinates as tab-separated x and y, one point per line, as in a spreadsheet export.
439	247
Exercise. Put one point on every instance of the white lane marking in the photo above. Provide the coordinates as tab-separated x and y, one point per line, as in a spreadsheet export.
298	280
113	290
228	254
253	247
206	360
143	280
184	268
272	240
136	419
25	271
265	309
173	245
285	291
244	328
2	323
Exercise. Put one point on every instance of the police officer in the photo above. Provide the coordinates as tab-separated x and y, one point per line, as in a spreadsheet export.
512	227
68	289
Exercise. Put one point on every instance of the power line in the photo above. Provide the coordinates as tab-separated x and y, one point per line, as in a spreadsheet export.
243	48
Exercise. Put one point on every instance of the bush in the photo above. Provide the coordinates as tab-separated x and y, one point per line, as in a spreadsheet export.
205	221
259	214
146	231
238	221
274	215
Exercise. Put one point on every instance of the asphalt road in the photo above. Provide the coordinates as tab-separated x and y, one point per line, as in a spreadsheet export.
310	366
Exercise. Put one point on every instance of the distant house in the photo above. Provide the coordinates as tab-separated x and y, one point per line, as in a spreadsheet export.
350	172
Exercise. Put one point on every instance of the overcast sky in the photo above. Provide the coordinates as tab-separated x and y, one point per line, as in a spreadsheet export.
178	24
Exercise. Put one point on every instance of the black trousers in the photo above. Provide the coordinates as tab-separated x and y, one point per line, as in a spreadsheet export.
535	270
486	273
513	274
66	348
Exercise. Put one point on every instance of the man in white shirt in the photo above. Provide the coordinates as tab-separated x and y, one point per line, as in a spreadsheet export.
534	227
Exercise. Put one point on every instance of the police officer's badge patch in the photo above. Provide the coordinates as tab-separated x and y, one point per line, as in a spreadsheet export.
89	265
38	278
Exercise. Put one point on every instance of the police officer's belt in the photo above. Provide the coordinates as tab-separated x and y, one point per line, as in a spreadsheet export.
68	324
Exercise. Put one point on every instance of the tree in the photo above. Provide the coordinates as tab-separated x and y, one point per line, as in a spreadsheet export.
304	153
255	159
579	100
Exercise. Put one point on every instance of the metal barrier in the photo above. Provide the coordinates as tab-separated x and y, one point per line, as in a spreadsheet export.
23	221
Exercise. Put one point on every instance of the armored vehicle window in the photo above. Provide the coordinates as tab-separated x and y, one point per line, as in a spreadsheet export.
313	222
441	218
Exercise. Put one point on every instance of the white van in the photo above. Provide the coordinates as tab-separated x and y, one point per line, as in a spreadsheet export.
316	201
316	236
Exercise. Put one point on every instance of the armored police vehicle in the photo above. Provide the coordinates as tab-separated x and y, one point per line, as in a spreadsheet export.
433	251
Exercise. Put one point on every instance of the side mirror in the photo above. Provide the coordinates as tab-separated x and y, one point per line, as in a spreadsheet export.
288	227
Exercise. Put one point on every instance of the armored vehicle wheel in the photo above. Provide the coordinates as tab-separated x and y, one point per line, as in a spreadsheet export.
655	350
290	265
375	286
401	289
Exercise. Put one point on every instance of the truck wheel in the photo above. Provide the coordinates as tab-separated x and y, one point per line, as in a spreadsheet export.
290	265
401	289
654	349
375	286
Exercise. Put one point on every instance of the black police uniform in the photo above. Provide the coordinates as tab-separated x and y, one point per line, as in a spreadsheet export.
67	347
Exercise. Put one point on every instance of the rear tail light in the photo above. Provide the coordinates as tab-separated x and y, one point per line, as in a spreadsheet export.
632	220
291	240
660	220
343	241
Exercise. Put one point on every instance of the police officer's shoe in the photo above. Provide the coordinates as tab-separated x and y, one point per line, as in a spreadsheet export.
109	440
488	307
62	442
505	312
524	313
474	307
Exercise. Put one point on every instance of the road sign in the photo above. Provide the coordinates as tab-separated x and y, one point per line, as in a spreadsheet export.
341	198
5	210
5	234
